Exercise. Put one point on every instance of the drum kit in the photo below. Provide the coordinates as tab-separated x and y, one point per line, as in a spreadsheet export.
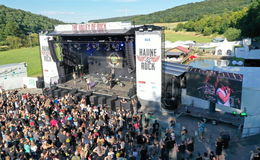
107	79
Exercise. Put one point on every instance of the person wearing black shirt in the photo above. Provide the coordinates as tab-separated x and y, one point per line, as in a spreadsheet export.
164	153
219	146
182	149
156	127
190	147
199	157
143	153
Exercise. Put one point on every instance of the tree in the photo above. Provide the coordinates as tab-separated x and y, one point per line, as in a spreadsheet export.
232	34
14	42
207	31
250	23
11	29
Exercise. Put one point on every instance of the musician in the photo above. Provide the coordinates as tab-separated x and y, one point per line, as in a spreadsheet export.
88	84
223	93
111	78
74	76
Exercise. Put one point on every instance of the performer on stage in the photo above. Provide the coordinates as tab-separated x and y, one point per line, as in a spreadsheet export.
88	84
111	78
74	76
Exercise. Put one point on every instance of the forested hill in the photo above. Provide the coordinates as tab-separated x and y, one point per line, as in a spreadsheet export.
18	23
185	12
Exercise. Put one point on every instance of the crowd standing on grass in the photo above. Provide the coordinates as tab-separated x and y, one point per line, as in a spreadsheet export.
34	126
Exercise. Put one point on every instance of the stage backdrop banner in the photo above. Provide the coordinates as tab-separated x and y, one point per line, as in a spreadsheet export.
49	67
149	65
93	27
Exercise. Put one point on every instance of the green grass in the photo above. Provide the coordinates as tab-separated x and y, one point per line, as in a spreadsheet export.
29	55
185	36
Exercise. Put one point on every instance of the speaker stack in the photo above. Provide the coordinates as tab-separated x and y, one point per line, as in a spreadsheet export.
93	100
40	84
73	92
64	92
57	93
111	102
102	100
86	96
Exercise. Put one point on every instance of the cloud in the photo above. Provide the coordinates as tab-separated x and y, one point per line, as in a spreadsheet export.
57	13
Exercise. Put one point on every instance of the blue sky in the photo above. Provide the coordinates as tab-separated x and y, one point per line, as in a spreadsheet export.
83	10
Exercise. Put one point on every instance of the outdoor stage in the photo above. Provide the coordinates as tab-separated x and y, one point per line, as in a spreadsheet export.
99	87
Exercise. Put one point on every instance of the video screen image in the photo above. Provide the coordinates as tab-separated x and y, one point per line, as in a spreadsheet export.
218	87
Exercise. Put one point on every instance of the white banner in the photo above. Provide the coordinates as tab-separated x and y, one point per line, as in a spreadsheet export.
93	26
30	82
149	65
11	75
49	67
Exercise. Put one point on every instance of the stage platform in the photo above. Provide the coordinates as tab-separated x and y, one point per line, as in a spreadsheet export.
99	87
217	116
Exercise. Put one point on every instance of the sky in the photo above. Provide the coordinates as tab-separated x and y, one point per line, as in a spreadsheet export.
77	11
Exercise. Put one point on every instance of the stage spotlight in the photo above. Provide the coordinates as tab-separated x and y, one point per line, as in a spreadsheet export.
122	44
234	113
243	114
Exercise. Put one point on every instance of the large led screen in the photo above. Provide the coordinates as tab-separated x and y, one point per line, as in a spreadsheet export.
218	87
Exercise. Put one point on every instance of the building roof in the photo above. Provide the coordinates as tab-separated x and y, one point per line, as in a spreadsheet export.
180	48
174	68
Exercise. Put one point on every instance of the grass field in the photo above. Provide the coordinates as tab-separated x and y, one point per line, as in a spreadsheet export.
173	36
185	36
168	25
29	55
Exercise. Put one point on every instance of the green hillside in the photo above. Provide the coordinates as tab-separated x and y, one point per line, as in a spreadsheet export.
18	28
185	12
234	25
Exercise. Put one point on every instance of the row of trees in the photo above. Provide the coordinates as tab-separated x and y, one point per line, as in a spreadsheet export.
19	28
12	42
243	23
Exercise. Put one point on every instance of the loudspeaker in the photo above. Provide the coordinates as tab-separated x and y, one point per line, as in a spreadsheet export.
54	87
57	93
40	84
64	92
117	104
73	91
212	107
111	103
128	106
131	92
77	97
93	100
102	100
50	94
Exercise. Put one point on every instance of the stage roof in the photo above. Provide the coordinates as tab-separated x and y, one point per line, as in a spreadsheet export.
92	33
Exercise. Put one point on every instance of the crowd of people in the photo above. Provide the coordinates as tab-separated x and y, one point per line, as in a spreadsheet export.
34	126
